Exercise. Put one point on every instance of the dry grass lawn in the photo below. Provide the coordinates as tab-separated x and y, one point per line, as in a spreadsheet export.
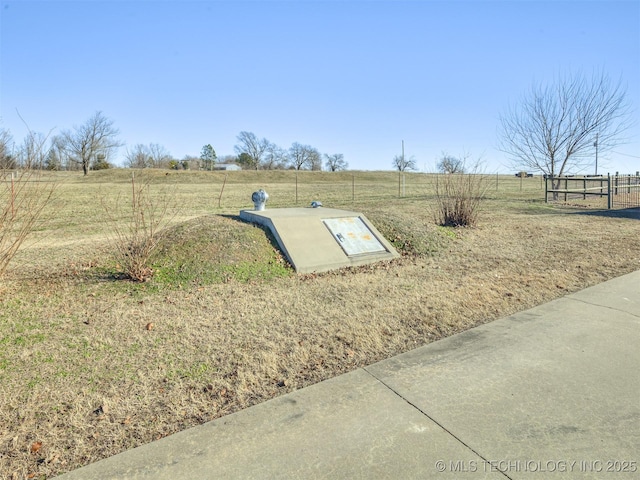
91	364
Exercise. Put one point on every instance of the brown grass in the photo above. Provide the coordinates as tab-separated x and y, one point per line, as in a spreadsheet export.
91	365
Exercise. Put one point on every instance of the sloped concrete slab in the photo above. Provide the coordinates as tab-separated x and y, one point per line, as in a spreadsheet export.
322	239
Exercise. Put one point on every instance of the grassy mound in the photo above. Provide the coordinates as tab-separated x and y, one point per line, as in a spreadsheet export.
214	249
412	232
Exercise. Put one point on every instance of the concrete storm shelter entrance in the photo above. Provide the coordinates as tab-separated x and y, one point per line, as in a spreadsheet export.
322	239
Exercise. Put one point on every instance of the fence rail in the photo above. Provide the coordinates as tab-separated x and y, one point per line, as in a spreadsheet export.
621	191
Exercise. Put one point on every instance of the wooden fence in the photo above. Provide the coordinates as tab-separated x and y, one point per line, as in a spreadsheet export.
621	191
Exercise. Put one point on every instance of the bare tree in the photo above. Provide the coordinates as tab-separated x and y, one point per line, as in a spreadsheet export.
402	163
555	128
58	154
254	148
450	164
303	156
275	158
160	156
7	160
315	160
335	162
92	141
32	152
138	157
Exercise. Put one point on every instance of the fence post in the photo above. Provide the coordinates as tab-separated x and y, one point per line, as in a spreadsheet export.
13	194
584	188
601	187
222	190
546	188
133	191
609	199
353	187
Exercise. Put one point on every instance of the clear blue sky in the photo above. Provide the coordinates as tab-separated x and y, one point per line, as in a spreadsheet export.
351	77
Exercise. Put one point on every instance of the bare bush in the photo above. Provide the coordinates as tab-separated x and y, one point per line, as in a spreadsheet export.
24	194
458	198
135	240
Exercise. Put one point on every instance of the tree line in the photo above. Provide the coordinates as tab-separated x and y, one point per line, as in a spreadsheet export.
554	129
90	146
254	153
94	144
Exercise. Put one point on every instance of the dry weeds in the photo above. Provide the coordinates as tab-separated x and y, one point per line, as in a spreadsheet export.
91	366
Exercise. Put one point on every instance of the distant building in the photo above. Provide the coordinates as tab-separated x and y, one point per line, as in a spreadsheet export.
227	166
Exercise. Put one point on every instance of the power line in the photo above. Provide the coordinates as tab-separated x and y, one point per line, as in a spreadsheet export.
626	154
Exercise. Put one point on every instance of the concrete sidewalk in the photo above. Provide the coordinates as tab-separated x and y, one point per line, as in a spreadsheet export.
552	392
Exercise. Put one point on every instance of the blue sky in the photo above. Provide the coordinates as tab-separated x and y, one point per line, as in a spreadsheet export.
351	77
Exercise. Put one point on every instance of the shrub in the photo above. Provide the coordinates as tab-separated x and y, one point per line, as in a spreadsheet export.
135	241
24	193
458	198
101	164
23	197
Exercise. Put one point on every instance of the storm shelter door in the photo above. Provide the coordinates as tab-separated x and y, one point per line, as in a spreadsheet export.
353	236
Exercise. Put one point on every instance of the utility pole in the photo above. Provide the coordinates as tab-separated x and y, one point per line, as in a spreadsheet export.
595	144
400	172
